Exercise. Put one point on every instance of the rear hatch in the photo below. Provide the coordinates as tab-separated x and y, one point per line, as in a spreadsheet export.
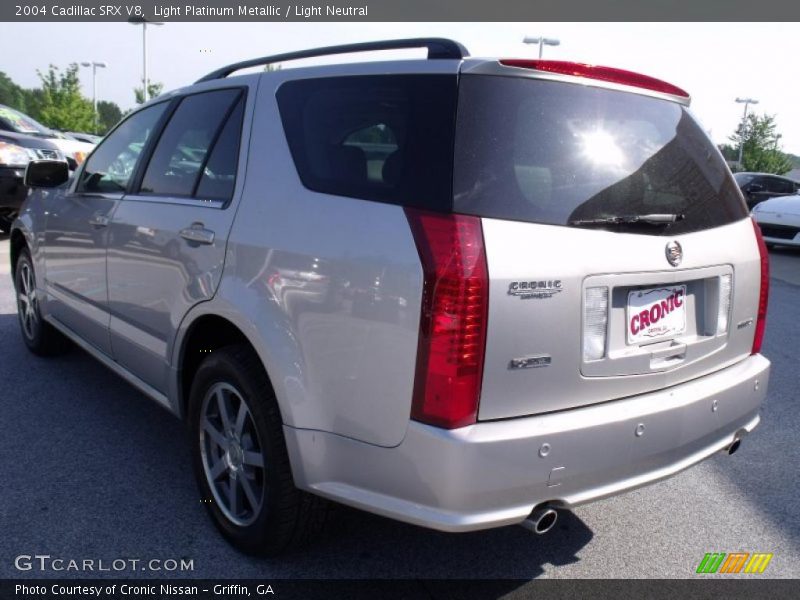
620	256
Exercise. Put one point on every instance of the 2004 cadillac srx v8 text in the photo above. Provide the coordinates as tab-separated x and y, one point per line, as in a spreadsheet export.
456	292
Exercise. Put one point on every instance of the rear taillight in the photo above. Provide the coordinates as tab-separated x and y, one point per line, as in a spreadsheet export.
763	297
452	333
609	74
595	323
723	313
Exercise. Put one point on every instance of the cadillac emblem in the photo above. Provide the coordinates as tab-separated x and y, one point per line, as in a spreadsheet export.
674	253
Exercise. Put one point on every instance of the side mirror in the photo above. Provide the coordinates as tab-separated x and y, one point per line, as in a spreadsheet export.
46	173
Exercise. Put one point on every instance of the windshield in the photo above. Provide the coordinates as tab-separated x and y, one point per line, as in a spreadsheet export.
566	154
743	178
18	122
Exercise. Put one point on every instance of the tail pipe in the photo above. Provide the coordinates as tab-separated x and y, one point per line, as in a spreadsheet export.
737	441
541	520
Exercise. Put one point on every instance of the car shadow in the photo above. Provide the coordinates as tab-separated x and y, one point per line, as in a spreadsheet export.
93	468
759	467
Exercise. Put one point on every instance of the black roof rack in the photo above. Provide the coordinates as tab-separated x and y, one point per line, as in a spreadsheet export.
438	48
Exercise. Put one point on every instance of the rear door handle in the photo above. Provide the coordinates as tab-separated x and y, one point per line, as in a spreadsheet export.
99	220
198	234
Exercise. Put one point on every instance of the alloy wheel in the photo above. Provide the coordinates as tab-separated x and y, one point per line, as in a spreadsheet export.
231	454
27	302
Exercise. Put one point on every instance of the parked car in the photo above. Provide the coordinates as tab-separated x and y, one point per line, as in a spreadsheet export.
779	219
587	287
89	138
74	150
758	187
16	151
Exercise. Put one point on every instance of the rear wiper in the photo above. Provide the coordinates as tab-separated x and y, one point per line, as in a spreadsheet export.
650	219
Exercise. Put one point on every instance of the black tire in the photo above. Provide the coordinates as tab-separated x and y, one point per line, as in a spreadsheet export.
40	337
287	517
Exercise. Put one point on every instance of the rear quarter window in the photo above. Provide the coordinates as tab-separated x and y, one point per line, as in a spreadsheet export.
556	153
387	138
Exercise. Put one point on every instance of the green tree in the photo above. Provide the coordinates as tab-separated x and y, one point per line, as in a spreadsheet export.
61	104
34	101
760	152
729	153
108	115
153	89
11	94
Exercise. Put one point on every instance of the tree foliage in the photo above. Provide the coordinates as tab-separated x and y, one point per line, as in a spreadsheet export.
153	89
108	115
58	103
62	106
760	152
10	93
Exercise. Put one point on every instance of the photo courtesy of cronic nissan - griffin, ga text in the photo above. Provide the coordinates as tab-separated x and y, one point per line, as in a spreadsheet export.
461	293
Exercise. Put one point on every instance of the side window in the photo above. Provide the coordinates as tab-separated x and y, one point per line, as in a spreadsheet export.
111	165
781	186
377	143
181	152
219	174
376	137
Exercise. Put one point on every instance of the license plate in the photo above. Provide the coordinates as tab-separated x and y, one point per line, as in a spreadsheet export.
656	313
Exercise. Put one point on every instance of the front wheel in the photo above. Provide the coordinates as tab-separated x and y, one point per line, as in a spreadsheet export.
240	459
39	336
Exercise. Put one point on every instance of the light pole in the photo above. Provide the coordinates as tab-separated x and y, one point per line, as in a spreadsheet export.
144	23
746	102
94	65
542	41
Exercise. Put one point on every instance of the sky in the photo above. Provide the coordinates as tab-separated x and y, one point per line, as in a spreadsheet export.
714	62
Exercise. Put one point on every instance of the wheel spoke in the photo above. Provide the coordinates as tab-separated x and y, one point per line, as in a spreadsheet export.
223	410
233	494
249	493
240	418
215	434
26	281
253	458
218	469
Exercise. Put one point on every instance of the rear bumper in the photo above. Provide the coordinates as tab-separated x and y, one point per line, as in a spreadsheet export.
494	473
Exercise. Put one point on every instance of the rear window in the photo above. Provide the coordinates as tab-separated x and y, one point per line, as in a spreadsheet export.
385	137
559	153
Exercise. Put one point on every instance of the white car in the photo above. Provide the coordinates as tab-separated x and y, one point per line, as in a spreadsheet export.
74	150
779	219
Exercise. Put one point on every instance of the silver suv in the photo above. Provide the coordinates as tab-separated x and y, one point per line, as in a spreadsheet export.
456	292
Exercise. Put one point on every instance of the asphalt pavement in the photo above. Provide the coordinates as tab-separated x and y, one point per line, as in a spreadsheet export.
94	470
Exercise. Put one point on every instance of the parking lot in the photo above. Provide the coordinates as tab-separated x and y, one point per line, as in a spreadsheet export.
92	469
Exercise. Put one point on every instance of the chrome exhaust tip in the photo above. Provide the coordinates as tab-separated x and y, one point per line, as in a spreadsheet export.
541	520
734	446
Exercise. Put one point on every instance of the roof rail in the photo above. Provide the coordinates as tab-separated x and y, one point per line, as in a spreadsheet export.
438	48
